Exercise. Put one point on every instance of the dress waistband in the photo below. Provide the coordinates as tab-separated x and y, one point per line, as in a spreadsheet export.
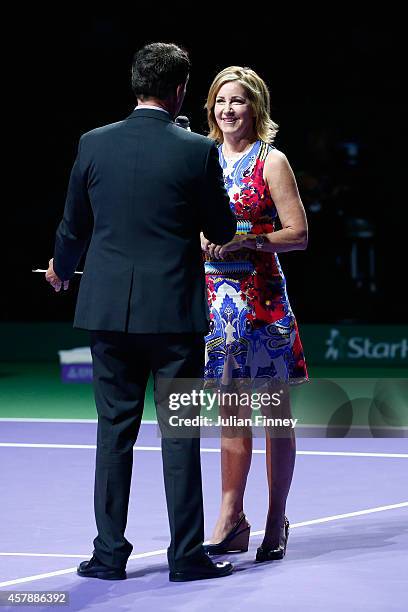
229	267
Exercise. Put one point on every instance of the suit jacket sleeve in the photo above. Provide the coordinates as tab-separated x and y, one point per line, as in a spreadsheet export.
217	219
75	229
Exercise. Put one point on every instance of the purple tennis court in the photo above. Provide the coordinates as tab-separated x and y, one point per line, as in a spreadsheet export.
348	509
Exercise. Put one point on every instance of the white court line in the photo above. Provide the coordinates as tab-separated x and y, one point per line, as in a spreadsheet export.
352	454
69	570
336	517
257	451
26	445
307	427
14	554
34	420
154	553
154	422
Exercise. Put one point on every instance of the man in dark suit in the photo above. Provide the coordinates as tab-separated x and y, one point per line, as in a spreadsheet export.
141	191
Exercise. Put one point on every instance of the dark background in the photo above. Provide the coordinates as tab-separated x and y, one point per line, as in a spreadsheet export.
336	91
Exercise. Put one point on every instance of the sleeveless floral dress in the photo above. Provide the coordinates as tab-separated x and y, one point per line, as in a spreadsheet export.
253	331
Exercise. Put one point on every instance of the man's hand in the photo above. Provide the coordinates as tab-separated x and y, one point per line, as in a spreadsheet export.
53	279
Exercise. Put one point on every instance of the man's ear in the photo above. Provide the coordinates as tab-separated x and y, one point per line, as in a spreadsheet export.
181	89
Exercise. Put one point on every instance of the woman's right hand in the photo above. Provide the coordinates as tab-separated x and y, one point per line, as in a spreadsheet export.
213	250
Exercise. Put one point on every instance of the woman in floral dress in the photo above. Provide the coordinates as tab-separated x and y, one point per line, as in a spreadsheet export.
253	332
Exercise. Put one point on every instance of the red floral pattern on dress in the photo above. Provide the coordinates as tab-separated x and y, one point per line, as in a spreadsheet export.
266	300
211	295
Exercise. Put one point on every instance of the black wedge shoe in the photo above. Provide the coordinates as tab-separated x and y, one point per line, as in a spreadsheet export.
264	554
235	541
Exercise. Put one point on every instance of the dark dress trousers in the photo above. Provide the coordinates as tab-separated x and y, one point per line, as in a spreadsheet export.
140	192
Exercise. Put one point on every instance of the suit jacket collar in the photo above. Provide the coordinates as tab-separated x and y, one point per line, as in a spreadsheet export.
150	113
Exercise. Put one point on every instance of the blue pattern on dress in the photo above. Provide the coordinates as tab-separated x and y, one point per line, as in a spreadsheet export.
239	168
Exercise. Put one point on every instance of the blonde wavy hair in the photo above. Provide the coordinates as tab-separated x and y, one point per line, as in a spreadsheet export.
258	96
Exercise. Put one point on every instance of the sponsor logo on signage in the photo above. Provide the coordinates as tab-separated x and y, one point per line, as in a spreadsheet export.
360	347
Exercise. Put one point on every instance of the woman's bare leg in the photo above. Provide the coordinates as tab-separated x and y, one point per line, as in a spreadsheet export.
236	454
280	463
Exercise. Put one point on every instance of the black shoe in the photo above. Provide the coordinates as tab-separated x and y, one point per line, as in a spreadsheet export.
95	569
235	541
265	554
202	571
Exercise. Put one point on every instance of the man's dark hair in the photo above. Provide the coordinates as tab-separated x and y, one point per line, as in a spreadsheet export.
158	69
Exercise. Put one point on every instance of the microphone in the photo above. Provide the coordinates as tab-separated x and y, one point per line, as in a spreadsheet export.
43	271
183	122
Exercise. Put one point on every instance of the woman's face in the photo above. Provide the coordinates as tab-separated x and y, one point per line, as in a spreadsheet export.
233	111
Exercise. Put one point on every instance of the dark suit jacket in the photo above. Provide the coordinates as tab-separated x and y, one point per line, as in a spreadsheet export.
141	190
